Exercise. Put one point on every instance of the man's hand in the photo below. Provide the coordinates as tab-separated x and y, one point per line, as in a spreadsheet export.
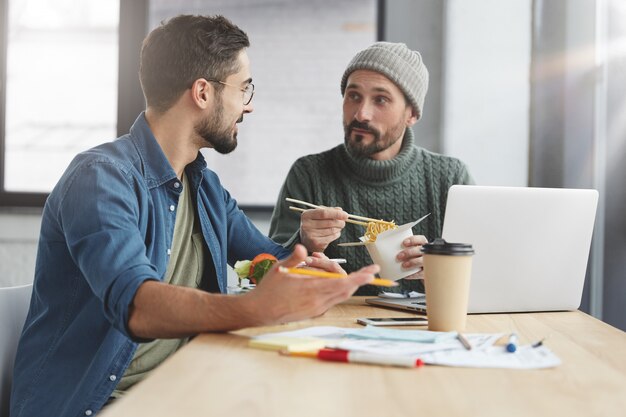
318	260
283	297
411	256
161	310
319	227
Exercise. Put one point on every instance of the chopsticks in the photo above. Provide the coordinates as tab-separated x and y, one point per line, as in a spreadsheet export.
347	221
365	243
350	216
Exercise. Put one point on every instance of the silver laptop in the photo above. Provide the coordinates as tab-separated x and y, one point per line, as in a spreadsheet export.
532	246
414	304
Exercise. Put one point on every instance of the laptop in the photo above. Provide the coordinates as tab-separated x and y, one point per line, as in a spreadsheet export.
531	247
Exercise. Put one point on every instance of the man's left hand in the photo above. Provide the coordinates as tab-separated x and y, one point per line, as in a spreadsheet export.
411	255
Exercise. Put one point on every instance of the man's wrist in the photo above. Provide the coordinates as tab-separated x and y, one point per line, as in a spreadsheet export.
251	314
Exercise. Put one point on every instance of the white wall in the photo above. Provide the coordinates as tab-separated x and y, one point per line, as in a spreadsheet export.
486	88
18	247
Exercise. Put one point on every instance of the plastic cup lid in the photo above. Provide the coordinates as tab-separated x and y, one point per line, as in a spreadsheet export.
441	247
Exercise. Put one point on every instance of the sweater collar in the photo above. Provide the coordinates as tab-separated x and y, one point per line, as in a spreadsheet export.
377	171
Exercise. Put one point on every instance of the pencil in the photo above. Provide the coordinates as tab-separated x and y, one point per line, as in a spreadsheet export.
381	282
301	354
466	344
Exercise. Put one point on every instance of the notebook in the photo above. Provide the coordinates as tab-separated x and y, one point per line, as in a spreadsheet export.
531	246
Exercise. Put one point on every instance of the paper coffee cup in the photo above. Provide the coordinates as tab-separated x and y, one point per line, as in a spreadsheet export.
447	274
384	250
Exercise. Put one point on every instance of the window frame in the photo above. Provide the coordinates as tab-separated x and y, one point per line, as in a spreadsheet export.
133	27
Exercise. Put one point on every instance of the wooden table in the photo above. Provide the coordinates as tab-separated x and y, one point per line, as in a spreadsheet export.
217	375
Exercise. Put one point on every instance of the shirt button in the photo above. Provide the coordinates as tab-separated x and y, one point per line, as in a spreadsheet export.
88	412
112	377
169	251
172	208
176	184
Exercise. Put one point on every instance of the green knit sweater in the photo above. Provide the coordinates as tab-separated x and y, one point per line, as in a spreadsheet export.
403	189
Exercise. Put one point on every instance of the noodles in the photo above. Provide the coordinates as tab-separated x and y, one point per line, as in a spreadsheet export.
374	229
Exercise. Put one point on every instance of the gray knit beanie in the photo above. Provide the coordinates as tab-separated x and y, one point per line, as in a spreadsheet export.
398	63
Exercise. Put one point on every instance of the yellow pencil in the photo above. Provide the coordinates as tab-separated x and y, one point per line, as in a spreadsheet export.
301	354
323	274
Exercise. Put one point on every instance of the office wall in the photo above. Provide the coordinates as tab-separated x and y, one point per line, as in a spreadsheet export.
477	106
614	289
19	233
486	88
421	26
18	245
578	130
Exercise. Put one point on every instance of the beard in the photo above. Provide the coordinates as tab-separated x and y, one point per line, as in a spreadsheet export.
379	143
218	137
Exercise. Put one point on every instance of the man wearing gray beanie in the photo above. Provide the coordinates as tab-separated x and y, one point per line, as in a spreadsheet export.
377	172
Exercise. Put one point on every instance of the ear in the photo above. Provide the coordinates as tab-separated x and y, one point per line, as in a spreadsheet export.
202	93
412	117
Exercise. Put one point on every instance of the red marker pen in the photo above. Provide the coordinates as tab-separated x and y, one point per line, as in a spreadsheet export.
339	355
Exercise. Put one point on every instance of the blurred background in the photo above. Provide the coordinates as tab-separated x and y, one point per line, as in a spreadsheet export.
526	92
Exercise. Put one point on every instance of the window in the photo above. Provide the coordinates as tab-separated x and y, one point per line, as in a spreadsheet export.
59	90
62	93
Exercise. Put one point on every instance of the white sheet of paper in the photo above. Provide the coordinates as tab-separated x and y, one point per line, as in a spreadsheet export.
394	347
369	332
525	357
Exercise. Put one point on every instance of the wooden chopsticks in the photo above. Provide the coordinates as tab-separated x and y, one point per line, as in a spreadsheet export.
350	216
348	244
347	221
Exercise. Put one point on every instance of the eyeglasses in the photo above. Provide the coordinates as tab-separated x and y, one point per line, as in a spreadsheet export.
248	92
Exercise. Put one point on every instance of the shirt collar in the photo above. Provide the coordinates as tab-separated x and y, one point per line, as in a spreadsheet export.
155	166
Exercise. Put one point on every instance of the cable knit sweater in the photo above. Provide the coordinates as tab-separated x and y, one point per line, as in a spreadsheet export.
403	189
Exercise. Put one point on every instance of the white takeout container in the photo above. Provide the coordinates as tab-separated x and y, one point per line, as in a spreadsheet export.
384	250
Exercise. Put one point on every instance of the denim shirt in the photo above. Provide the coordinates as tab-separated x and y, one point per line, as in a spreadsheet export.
107	227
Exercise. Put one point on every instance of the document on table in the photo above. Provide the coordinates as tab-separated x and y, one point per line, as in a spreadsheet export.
434	348
525	357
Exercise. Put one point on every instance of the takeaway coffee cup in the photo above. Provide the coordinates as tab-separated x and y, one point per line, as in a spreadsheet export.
447	272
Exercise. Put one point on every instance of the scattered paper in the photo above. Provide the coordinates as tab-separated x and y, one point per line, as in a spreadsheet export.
391	347
525	357
368	332
434	348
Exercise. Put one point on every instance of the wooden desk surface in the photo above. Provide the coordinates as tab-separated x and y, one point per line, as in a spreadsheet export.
217	375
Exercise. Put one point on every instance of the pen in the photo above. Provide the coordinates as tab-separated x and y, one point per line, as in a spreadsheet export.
340	355
335	260
338	260
511	345
466	344
538	343
323	274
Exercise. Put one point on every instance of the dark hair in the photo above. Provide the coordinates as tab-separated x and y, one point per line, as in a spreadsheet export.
184	49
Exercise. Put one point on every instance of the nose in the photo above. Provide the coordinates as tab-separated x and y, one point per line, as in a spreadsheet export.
364	112
248	108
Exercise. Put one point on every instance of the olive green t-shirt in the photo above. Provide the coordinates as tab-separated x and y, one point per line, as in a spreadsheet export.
184	269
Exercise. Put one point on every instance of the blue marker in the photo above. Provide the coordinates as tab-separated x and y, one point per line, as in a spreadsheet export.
511	346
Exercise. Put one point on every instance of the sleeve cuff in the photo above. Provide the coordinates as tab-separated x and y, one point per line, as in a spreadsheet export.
295	238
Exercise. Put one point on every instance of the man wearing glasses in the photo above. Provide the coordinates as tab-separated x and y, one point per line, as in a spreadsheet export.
137	234
378	171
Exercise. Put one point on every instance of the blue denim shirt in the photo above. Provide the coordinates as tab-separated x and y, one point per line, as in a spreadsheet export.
107	227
